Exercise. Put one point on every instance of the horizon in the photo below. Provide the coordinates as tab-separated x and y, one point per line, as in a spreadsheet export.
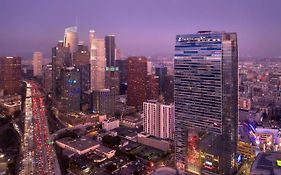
149	29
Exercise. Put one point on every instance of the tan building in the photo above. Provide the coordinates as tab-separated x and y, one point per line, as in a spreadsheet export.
97	61
37	63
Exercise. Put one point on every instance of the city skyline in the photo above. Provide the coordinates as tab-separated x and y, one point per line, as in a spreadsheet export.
41	28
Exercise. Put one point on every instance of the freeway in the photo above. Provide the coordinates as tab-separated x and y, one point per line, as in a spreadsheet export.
39	156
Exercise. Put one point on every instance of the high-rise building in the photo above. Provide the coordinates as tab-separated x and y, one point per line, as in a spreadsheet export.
168	88
149	68
37	63
161	72
206	102
10	75
61	57
152	87
71	38
47	78
71	89
123	75
82	56
110	51
97	61
159	119
102	101
137	80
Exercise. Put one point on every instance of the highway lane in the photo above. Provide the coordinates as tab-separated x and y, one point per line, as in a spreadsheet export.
38	155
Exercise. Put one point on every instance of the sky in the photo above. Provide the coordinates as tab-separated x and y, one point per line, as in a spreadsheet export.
142	27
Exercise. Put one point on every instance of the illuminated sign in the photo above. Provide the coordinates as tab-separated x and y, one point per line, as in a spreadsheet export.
278	162
208	163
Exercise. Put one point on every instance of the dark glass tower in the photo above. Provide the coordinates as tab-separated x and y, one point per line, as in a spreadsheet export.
110	50
161	72
206	102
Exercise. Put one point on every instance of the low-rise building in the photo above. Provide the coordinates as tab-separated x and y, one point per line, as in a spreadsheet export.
110	124
268	163
132	121
11	103
80	145
246	149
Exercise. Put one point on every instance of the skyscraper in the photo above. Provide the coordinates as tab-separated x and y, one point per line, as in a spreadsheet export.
71	38
161	72
110	51
97	61
159	119
71	89
47	78
206	102
10	75
37	63
123	75
152	87
137	80
61	57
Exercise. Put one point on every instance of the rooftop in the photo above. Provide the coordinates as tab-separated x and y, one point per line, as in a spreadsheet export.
267	164
79	144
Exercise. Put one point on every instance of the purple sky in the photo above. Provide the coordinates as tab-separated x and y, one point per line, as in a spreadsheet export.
141	27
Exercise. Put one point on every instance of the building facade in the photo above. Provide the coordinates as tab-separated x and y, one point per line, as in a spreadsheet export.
71	38
71	89
47	78
159	119
10	75
137	80
97	61
102	102
161	72
206	102
61	57
37	63
110	51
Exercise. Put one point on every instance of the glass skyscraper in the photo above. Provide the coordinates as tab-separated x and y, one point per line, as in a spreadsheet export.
206	102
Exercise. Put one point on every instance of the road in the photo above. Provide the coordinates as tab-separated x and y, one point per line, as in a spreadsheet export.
39	156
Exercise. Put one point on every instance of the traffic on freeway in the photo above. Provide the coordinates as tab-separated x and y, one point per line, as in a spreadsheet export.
38	154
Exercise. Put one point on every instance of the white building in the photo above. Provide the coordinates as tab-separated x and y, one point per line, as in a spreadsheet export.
37	63
159	119
97	61
110	124
71	38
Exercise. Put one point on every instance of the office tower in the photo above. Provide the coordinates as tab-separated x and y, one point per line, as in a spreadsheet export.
82	56
152	87
85	76
137	79
82	47
206	102
47	78
97	61
149	68
110	51
168	88
161	72
37	64
159	119
71	89
123	75
71	38
112	81
10	75
102	101
61	57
